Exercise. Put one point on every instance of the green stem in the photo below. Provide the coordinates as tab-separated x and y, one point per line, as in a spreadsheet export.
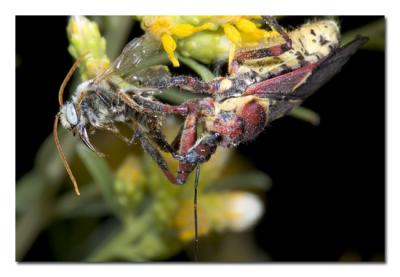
31	223
306	115
204	73
124	241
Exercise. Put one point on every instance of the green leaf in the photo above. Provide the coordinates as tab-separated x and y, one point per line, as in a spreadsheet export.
375	31
306	115
117	33
101	174
248	180
48	162
31	223
90	204
30	189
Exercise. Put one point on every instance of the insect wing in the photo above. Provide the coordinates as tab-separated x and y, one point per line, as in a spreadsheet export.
283	90
329	67
151	76
139	59
282	85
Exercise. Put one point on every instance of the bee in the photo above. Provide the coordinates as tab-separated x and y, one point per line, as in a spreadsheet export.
116	96
262	85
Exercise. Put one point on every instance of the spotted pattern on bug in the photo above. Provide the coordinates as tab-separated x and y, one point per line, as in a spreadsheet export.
306	49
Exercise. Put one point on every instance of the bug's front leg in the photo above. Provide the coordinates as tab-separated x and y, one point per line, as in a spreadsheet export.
191	84
192	150
152	106
202	150
156	156
188	139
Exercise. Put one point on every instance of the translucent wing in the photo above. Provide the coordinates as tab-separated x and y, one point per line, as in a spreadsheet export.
139	61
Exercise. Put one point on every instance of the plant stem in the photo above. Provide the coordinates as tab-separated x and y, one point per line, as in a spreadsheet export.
124	241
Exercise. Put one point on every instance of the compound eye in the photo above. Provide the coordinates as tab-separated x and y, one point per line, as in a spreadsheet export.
69	117
71	114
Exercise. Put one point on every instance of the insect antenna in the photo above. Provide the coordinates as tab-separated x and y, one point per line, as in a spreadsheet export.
62	155
196	235
67	79
57	119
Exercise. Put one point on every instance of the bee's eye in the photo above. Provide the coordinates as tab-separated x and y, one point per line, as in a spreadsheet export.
70	114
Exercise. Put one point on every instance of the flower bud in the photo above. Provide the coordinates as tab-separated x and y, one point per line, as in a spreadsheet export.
86	40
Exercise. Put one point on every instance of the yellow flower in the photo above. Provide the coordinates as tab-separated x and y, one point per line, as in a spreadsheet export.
129	182
240	30
165	28
86	40
233	211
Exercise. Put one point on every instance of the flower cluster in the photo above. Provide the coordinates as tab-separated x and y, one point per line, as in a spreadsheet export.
206	38
87	42
218	210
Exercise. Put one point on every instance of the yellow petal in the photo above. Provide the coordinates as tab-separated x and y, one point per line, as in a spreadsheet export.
182	30
173	59
246	25
169	45
206	26
232	33
185	30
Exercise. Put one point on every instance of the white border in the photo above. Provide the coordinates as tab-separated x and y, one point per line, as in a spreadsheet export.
120	7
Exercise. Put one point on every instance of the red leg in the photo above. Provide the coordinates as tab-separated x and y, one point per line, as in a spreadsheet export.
188	139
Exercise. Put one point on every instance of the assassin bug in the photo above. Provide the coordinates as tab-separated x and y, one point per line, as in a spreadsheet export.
263	84
114	97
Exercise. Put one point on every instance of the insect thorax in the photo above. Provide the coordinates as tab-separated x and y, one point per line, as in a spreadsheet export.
97	105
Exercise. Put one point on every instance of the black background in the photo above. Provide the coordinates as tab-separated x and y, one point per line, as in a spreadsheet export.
328	193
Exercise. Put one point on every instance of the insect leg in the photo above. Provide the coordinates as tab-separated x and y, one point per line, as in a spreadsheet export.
176	142
156	156
129	101
85	138
191	84
188	139
158	138
272	51
272	22
154	106
200	152
113	129
194	152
